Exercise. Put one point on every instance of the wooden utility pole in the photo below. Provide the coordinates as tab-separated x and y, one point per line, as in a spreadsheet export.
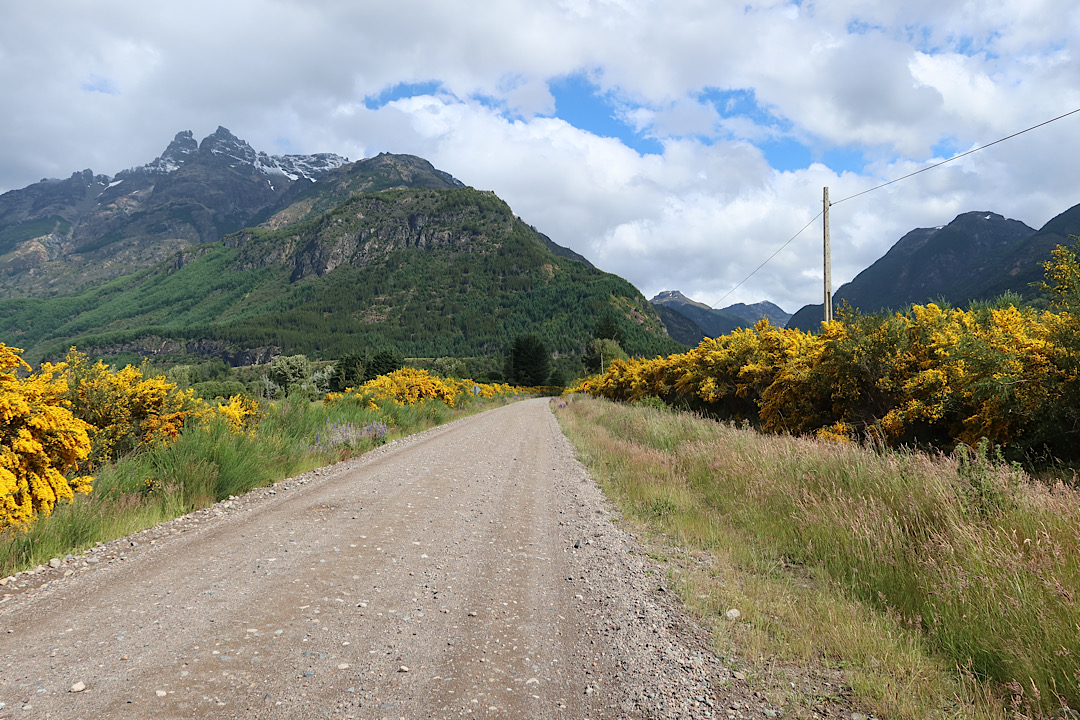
828	262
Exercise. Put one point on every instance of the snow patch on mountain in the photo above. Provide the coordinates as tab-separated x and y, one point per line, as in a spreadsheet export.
224	145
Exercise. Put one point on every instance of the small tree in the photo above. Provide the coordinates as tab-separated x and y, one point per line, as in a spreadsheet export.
383	362
289	371
348	372
319	381
1062	282
449	367
183	375
600	352
607	328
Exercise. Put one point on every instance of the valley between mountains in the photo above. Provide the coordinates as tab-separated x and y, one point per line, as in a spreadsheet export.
473	570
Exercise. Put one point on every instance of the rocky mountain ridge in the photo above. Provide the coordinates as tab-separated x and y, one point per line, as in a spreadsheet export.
689	321
236	152
57	236
428	271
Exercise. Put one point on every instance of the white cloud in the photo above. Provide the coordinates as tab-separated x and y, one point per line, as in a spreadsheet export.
685	117
106	86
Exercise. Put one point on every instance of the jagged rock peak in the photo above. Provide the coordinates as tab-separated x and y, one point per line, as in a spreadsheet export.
298	166
224	146
183	145
179	151
676	298
176	154
668	295
224	143
764	309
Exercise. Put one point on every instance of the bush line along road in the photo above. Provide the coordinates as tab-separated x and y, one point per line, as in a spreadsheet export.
471	570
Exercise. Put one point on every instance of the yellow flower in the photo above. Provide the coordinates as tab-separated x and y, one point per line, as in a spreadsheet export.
125	409
40	442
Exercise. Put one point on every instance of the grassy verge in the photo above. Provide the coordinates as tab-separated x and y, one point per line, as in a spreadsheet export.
940	587
208	463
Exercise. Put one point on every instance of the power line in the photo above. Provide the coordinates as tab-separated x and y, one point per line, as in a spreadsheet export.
884	184
812	221
957	157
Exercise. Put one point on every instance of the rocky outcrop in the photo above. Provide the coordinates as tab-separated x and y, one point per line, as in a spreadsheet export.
100	227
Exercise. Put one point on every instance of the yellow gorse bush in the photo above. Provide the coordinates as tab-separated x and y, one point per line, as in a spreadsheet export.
471	388
125	409
240	413
41	441
934	375
409	386
78	415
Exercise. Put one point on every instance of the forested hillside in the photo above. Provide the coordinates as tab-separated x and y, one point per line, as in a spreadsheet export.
427	272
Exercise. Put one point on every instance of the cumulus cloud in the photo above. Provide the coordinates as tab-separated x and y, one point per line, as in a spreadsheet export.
865	91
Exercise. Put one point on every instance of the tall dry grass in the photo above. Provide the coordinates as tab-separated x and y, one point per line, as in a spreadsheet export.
943	582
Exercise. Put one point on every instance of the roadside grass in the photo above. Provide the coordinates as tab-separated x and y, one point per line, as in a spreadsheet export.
940	586
208	463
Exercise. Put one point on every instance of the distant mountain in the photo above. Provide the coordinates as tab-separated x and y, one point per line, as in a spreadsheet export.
429	271
710	322
750	314
563	251
216	250
681	328
385	171
979	255
59	235
1022	265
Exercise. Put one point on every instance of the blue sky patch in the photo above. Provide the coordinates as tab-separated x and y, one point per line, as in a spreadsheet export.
861	27
783	150
580	103
788	154
98	84
945	149
742	103
401	90
843	159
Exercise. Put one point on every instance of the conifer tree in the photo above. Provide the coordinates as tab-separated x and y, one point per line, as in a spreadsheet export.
528	363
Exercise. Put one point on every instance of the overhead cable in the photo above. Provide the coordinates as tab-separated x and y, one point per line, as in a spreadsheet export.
885	184
812	220
956	157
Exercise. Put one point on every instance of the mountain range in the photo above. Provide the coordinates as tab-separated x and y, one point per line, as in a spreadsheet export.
216	250
689	321
61	235
977	256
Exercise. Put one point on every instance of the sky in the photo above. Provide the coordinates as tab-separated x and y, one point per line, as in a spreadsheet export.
676	143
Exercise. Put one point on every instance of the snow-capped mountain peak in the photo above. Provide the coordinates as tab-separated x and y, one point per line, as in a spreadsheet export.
180	150
226	145
222	145
295	167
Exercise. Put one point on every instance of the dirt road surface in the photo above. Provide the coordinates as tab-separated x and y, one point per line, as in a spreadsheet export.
473	570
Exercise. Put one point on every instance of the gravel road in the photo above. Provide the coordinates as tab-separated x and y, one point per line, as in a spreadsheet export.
473	570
